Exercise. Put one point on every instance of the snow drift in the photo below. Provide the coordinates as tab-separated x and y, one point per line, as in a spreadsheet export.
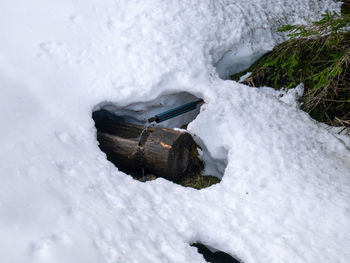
285	192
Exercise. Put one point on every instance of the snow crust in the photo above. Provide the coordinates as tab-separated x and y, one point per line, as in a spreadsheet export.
285	194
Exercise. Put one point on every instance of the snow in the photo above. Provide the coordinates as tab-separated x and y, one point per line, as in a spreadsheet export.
285	191
238	59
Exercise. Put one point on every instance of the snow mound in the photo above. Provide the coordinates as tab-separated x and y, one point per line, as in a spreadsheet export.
285	192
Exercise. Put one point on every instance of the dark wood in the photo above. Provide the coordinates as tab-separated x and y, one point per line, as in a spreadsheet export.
121	129
124	153
159	151
167	152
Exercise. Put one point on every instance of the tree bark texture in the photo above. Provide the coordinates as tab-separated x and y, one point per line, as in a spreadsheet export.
159	151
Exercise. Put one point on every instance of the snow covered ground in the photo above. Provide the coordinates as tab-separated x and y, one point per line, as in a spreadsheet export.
285	193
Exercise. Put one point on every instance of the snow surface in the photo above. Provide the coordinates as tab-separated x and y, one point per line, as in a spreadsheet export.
285	193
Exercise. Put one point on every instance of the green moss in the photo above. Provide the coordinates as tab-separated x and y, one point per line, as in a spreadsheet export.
318	56
193	178
198	181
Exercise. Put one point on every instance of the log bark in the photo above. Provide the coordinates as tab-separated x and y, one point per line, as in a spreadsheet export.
159	151
124	153
121	129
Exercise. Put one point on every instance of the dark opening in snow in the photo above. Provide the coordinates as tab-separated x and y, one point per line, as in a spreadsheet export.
239	58
213	255
147	151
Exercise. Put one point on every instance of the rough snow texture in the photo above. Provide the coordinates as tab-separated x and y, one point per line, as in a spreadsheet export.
285	194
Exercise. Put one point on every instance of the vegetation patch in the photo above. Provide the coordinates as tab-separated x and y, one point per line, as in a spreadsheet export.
193	177
198	181
318	56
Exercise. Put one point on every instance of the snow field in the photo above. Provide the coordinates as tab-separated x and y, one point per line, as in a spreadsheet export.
285	192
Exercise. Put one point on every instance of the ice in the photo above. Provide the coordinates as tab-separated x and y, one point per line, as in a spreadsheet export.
285	192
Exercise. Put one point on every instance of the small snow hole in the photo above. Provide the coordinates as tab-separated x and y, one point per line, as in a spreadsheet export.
149	150
239	58
214	255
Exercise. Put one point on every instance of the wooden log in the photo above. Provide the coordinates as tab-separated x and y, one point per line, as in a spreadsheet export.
124	153
167	153
121	129
159	151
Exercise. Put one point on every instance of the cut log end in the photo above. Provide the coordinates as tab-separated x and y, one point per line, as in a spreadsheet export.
167	153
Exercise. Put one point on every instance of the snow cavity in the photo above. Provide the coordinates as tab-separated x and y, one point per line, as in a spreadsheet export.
211	254
139	112
253	44
237	60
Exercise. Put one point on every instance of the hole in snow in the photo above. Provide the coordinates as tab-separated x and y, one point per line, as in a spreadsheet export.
214	255
239	58
162	148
